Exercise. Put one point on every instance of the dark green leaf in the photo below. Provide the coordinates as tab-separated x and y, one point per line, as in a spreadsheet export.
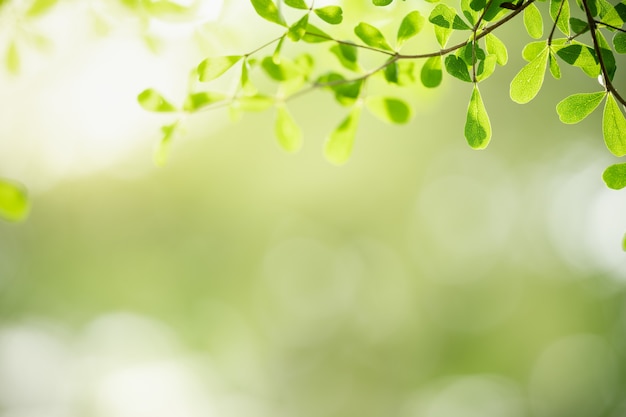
456	67
578	26
287	131
607	55
267	10
330	14
615	16
615	176
529	80
477	125
432	74
211	68
576	107
371	36
388	109
296	4
339	145
152	100
346	91
614	127
581	56
411	25
494	10
14	203
619	42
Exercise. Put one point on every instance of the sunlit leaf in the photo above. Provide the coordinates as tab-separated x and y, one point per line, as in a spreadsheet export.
196	101
347	55
607	55
456	67
533	21
527	83
486	68
477	125
339	144
581	56
267	10
287	131
381	2
330	14
298	29
411	25
406	72
12	60
246	84
616	15
296	4
315	35
576	107
615	176
40	7
391	72
468	11
494	9
388	109
371	36
562	23
431	74
161	153
152	100
496	47
446	17
346	92
553	64
619	42
533	49
614	127
213	67
14	203
283	71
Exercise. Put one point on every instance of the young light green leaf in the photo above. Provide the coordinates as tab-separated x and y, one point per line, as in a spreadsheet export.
371	36
388	109
346	92
315	35
477	125
298	29
338	147
213	67
533	49
442	35
496	47
330	14
196	101
431	74
411	25
381	2
267	10
14	203
256	103
579	55
553	64
296	4
533	21
486	68
406	73
576	107
527	83
615	176
559	11
246	84
347	55
616	15
13	61
619	42
152	100
40	7
445	16
614	127
456	67
283	71
287	131
161	153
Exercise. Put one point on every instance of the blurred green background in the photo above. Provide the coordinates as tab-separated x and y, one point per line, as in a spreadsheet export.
422	279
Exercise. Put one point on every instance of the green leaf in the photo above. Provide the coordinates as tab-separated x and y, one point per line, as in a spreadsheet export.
371	36
446	17
494	10
298	29
533	49
581	56
338	147
152	100
213	67
388	109
496	47
257	102
578	26
287	131
533	21
283	71
296	4
607	55
161	153
381	2
246	85
456	67
614	127
346	92
196	101
330	14
347	55
619	42
470	14
615	176
615	16
14	203
411	25
486	67
391	72
563	17
12	60
40	7
315	35
267	10
406	72
477	125
432	74
576	107
527	83
553	64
